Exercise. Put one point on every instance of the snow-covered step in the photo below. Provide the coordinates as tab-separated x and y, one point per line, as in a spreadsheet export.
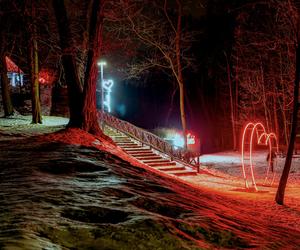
183	172
149	156
170	163
138	150
119	137
132	147
152	157
122	139
145	154
127	144
163	161
171	168
123	142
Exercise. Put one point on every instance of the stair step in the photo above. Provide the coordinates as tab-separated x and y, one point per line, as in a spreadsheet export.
127	144
171	168
138	150
183	173
141	154
156	161
171	163
152	157
135	147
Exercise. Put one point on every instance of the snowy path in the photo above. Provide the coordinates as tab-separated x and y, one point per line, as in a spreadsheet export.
221	171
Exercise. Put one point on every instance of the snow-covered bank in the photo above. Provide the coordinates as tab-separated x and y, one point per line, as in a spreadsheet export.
21	126
69	190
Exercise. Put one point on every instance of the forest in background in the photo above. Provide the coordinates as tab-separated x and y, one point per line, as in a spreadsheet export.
235	62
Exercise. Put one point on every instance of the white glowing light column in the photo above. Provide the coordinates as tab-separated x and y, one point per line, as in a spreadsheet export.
102	64
107	85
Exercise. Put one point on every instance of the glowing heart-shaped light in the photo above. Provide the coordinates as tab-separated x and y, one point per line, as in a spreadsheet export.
107	84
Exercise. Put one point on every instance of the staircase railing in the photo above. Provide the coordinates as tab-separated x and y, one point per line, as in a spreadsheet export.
143	136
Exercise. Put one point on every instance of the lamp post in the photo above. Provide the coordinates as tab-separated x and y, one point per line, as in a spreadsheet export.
101	64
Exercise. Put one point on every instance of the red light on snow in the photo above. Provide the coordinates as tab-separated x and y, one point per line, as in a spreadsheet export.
262	138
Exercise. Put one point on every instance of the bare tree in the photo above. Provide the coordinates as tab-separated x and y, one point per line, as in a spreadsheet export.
82	102
6	99
264	58
33	61
89	112
232	110
296	106
69	64
164	42
287	166
5	89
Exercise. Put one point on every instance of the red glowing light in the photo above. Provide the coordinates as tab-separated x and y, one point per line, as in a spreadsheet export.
263	138
47	76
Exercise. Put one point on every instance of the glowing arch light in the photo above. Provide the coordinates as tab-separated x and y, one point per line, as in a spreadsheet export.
251	132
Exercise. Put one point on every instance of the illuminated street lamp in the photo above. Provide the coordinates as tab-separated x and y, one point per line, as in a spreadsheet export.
102	64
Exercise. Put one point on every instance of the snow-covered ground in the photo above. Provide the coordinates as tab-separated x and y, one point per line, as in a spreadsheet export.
70	190
230	163
19	125
20	121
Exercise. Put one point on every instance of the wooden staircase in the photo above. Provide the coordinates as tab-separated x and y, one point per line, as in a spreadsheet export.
148	155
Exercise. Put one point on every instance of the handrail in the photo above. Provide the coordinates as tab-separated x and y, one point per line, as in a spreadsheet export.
143	136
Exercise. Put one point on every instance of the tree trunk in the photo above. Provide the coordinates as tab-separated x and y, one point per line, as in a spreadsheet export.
287	166
264	95
275	114
6	99
171	105
69	64
265	108
283	104
236	101
179	73
34	69
90	121
231	105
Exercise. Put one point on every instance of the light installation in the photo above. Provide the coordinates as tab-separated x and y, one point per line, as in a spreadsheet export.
251	132
190	139
107	85
102	64
178	140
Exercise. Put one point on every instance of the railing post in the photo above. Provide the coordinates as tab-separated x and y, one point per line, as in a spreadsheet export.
198	164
